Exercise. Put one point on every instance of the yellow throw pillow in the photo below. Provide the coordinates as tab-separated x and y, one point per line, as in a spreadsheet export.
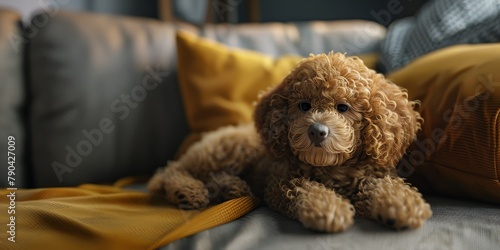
219	85
457	152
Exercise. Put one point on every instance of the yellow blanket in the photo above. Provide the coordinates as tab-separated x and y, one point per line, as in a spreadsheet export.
102	217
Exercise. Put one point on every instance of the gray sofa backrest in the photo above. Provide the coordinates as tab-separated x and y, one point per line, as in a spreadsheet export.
105	102
103	96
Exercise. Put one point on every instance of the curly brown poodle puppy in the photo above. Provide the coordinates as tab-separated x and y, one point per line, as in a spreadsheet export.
323	148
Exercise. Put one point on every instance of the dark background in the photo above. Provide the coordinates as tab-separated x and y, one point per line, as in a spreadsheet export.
194	11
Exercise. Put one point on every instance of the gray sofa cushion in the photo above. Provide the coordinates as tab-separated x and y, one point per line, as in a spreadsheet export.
105	98
12	96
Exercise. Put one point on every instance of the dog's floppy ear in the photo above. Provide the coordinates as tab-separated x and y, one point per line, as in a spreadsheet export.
271	119
391	124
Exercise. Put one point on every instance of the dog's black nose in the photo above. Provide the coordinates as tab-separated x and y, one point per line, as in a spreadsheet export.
317	133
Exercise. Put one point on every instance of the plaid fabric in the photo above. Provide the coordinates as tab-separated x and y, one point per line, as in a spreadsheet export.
440	23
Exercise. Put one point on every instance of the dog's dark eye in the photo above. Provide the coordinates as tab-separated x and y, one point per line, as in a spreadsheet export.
304	106
342	107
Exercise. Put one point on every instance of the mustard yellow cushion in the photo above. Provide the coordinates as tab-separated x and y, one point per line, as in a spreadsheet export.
219	85
457	152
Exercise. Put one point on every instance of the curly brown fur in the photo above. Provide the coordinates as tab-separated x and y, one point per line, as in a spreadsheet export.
209	170
333	131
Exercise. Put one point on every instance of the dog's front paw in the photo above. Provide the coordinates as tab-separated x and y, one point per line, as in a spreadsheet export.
189	200
224	186
189	196
401	216
323	210
399	206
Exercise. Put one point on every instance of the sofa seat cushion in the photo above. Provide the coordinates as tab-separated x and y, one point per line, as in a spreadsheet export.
455	224
457	152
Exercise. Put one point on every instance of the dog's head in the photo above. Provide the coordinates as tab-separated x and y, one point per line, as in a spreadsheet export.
332	108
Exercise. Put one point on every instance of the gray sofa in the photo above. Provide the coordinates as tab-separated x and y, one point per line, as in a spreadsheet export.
75	77
92	98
